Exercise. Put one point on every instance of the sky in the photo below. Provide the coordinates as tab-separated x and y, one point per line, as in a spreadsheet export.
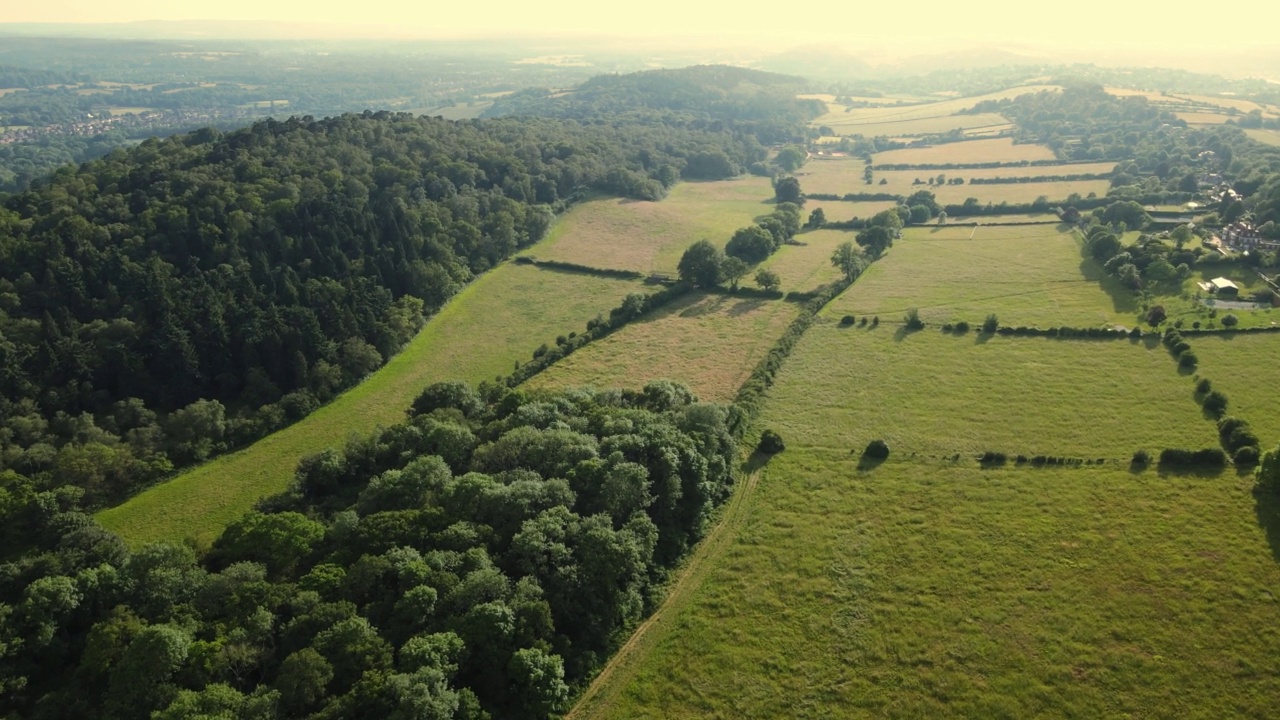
916	25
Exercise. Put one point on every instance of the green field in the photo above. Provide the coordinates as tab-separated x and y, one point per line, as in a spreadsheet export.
1244	368
936	394
1269	137
1027	275
839	210
651	236
708	342
920	119
917	591
969	151
841	175
806	266
481	333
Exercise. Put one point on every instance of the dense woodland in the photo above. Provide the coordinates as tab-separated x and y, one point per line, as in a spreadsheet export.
476	560
167	302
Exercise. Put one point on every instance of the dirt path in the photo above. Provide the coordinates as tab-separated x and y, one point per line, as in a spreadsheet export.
603	691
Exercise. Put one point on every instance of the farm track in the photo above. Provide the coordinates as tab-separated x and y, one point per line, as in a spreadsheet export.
600	695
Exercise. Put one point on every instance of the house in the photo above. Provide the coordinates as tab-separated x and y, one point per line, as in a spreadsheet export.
1223	286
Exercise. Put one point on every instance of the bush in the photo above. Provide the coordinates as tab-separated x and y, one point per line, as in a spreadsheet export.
1136	333
1207	458
993	458
1204	386
1188	360
847	320
1215	403
875	321
863	321
1246	456
912	319
771	443
1230	320
962	327
876	450
1141	458
991	324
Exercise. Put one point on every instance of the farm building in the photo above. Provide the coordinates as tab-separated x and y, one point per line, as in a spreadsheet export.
1223	286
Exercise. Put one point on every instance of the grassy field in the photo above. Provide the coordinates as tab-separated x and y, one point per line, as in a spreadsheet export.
468	111
970	151
1243	367
841	175
1269	137
917	591
839	210
1026	275
651	236
935	393
497	320
1203	118
708	342
852	124
807	266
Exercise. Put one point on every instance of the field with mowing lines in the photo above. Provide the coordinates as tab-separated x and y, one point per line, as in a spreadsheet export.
851	124
1244	368
807	266
969	151
651	236
845	175
936	393
921	591
481	333
708	342
940	108
1026	274
1203	118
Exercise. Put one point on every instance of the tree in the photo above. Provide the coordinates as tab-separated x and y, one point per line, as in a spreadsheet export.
848	260
817	218
787	189
752	244
771	443
991	324
733	269
768	279
1268	477
912	319
538	682
701	264
942	218
1156	315
791	158
920	214
876	240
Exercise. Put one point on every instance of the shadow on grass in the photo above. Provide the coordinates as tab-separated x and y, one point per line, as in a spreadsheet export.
757	461
1267	508
903	331
867	463
1201	471
1123	300
742	307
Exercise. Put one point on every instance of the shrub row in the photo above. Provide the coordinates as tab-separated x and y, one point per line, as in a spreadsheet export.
634	306
575	267
1172	458
981	165
1018	180
1210	331
1239	440
991	458
1070	332
856	197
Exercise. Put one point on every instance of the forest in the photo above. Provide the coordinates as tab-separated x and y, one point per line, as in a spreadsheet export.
168	302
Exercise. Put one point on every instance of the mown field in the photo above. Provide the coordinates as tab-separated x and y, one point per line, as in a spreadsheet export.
918	119
481	333
651	236
1244	368
708	342
969	151
936	394
916	590
841	175
1030	275
839	210
1270	137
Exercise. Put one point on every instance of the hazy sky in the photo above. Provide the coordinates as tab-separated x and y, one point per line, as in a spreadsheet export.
1103	23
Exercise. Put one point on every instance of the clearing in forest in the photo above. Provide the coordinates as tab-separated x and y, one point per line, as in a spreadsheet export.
497	320
623	234
710	342
1031	275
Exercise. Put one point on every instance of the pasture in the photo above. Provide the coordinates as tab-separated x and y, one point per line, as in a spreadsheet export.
921	590
1268	137
840	210
1243	367
710	342
806	266
497	320
972	393
1029	275
841	175
645	236
918	119
969	151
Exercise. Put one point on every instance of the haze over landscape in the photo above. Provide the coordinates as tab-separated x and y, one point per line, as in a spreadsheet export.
529	361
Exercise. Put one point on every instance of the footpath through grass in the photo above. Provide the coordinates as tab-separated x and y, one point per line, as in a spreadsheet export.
481	333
